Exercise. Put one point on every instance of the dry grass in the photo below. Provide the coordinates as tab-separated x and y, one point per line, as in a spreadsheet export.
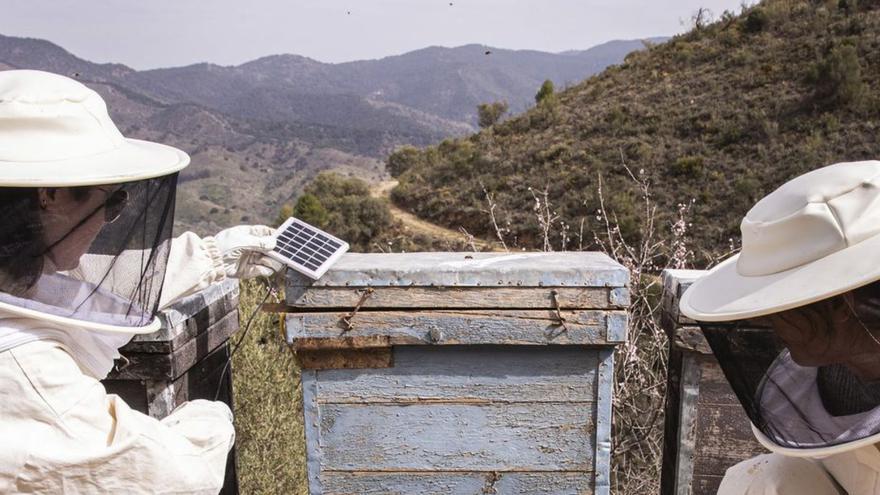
268	405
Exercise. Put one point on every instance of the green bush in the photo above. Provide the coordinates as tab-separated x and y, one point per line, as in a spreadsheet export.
546	91
488	114
756	21
847	6
838	77
309	209
402	160
284	213
687	166
343	206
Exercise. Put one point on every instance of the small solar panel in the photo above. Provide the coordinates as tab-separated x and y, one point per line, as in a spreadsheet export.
306	248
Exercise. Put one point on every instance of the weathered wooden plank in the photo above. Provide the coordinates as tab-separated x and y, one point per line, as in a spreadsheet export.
458	483
188	317
552	269
510	327
370	483
705	484
324	359
311	422
689	392
724	438
459	297
675	282
714	387
671	426
469	374
604	399
167	367
522	437
552	483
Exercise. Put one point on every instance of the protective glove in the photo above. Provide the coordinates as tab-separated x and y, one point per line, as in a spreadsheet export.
243	249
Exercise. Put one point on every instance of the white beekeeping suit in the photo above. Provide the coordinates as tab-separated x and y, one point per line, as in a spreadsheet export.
794	321
86	261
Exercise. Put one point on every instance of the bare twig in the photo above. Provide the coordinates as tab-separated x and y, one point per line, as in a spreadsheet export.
499	232
469	238
546	218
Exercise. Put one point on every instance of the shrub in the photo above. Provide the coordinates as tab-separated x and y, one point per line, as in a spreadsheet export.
343	206
756	21
309	209
284	213
847	6
546	91
838	77
687	166
488	114
402	160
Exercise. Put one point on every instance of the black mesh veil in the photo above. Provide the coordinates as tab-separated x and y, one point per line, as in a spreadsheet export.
94	254
814	389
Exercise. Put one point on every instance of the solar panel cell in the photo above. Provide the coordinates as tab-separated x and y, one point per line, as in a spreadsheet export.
306	248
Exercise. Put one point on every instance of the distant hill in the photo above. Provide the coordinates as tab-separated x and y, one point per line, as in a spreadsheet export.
721	115
445	82
260	131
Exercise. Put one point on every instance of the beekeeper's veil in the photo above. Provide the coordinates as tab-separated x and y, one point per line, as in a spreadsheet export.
794	319
85	213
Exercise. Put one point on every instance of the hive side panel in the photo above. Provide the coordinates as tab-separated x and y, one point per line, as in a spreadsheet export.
459	297
509	327
457	416
485	437
311	422
689	392
723	432
476	374
603	409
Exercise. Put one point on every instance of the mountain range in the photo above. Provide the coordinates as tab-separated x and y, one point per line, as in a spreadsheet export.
259	131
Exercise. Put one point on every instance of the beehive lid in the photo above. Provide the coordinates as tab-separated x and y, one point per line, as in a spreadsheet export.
463	269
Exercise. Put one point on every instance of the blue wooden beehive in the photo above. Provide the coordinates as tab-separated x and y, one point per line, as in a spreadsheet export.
459	373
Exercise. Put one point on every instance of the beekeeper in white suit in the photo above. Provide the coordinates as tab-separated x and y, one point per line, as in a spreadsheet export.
807	367
86	260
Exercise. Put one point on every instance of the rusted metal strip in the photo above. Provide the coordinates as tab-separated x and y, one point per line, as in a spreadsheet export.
560	320
346	320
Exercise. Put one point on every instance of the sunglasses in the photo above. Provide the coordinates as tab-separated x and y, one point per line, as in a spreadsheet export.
114	204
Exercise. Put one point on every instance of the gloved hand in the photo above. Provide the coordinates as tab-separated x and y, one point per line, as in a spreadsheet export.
244	249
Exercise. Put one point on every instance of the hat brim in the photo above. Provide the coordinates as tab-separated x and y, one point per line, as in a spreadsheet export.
722	294
133	160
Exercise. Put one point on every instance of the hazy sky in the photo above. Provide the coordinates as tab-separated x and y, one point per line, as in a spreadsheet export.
160	33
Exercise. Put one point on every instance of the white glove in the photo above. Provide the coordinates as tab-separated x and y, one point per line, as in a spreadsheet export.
244	249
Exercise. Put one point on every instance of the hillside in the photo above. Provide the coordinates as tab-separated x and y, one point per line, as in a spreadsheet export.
720	115
259	132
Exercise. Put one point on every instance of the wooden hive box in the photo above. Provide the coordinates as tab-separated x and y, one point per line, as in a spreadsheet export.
460	373
184	360
706	428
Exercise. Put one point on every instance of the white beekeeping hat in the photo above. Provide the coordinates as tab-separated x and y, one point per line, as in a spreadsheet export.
86	214
56	131
810	260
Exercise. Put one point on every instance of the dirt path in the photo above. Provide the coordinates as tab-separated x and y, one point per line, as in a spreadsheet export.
416	224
